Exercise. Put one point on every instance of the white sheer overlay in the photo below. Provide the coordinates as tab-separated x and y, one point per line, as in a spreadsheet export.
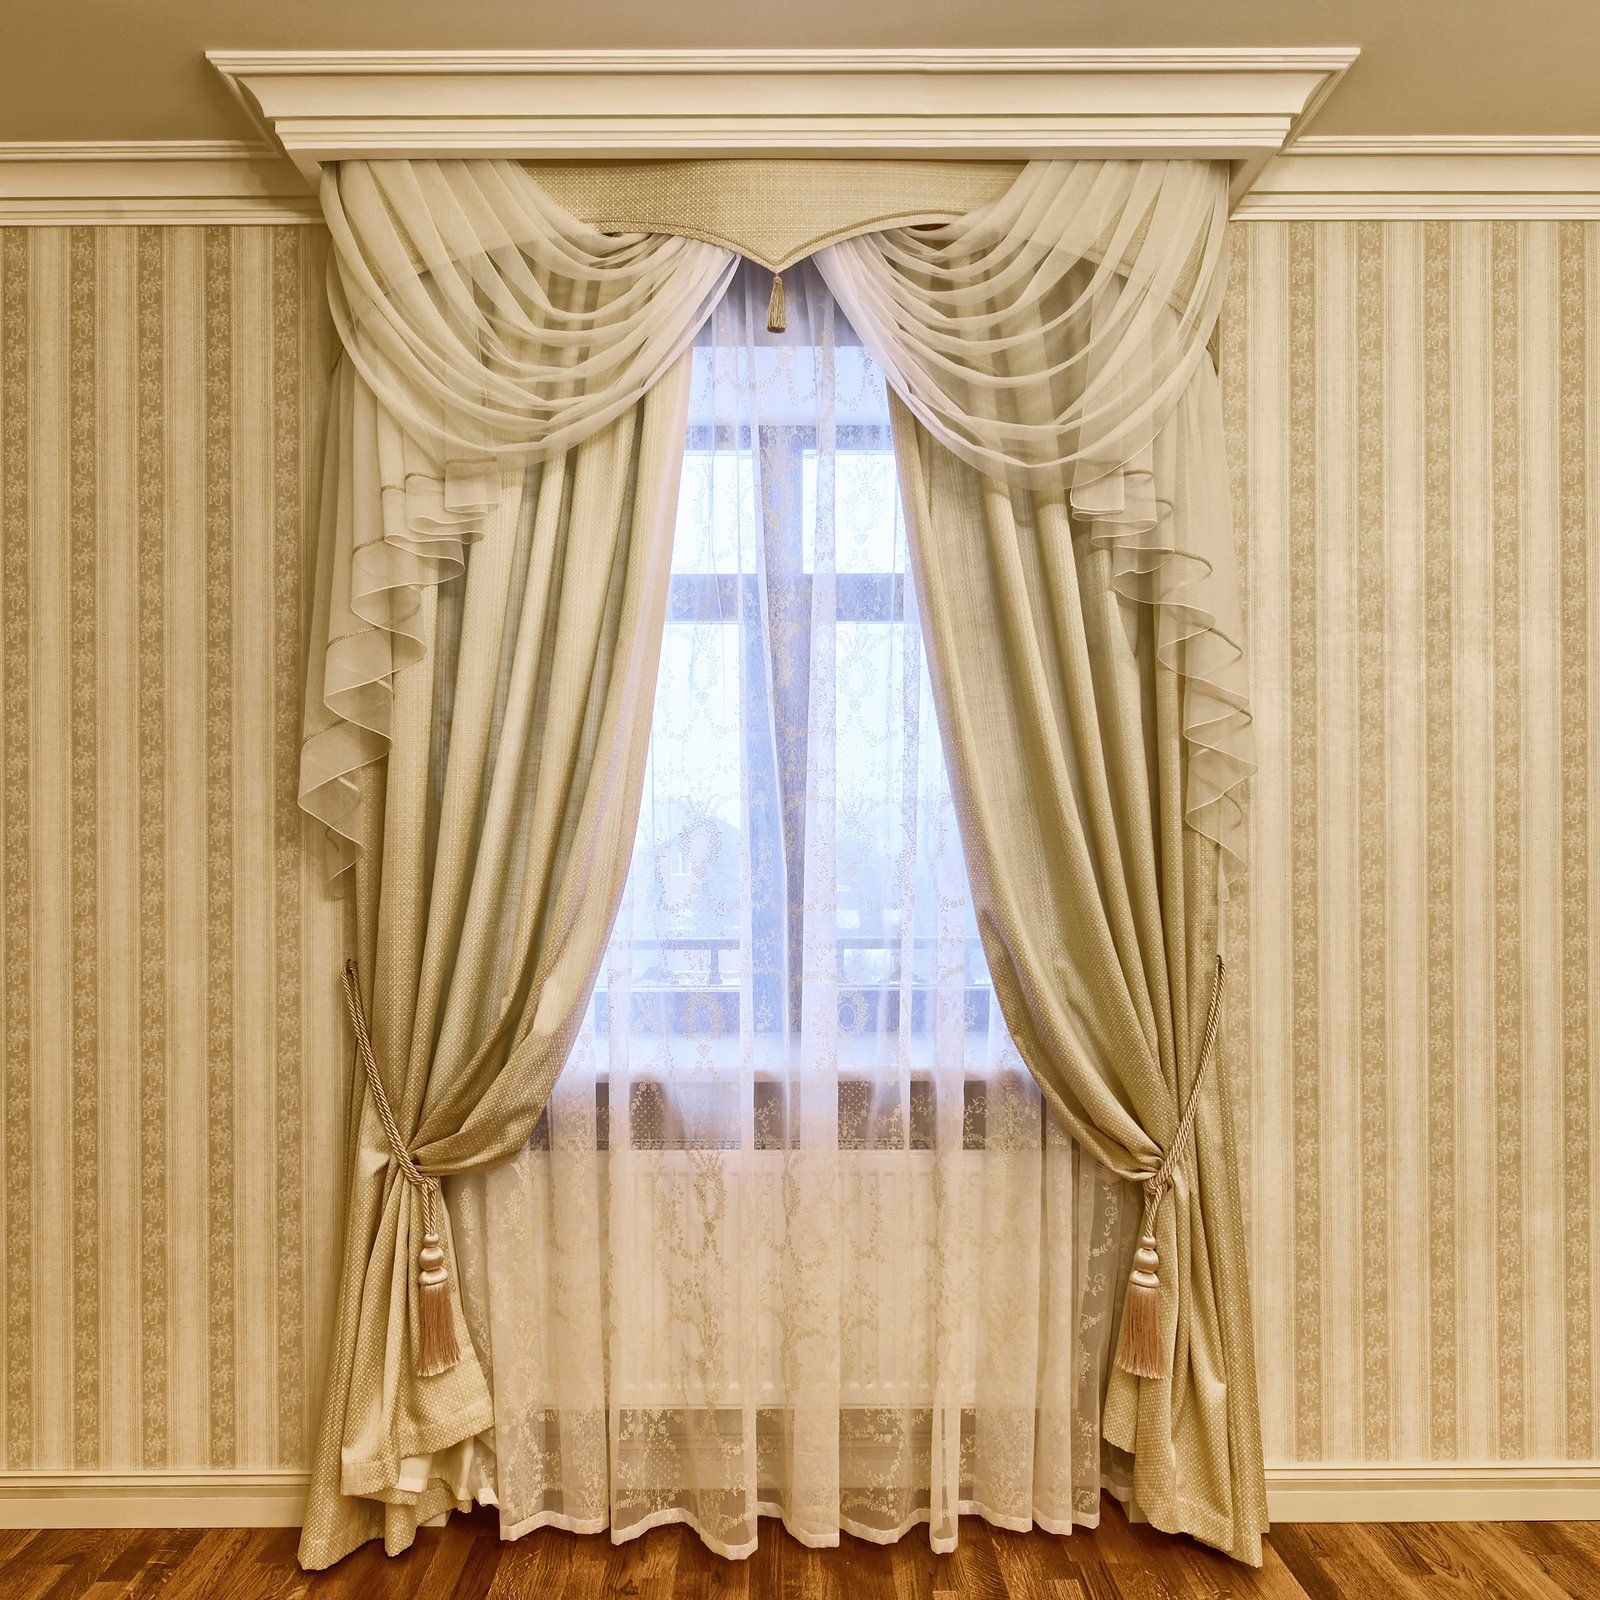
795	1236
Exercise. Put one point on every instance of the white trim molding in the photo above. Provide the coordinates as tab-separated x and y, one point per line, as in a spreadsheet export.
1240	105
167	181
1459	178
1362	1492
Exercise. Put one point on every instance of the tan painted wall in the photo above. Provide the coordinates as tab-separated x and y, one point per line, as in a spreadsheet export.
96	69
1413	415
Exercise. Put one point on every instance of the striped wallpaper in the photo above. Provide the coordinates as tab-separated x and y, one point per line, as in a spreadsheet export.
171	1106
1412	412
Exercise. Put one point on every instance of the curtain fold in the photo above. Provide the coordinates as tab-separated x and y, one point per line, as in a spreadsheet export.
1055	340
1087	792
499	834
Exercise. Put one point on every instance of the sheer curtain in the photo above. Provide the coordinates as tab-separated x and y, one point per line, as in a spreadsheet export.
795	1235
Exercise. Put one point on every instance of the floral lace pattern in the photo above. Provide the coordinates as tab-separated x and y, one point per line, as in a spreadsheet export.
795	1236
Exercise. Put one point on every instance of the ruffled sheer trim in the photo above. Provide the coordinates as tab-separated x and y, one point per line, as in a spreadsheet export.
484	327
1056	341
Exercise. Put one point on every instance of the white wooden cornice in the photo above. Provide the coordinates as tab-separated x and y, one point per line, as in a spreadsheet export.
1241	105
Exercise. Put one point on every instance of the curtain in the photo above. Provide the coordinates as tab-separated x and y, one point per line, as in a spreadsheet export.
523	560
797	1234
1059	438
506	441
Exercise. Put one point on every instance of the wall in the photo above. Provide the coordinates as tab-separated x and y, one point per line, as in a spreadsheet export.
1412	413
171	1108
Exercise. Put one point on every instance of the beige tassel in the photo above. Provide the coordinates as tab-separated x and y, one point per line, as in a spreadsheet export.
1142	1350
438	1350
777	311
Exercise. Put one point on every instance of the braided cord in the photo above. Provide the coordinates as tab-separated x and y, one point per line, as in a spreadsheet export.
409	1170
1157	1185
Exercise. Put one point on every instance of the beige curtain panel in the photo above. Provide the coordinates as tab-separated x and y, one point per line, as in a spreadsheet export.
511	419
1059	438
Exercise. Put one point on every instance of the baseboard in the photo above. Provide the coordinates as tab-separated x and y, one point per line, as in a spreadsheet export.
152	1499
1363	1492
1563	1491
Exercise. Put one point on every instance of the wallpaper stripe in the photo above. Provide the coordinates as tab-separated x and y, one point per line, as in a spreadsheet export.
150	340
1439	621
16	956
220	970
1372	892
1412	412
1576	538
172	1142
288	317
85	968
1506	547
1303	721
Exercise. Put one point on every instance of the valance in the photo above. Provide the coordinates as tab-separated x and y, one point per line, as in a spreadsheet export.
774	212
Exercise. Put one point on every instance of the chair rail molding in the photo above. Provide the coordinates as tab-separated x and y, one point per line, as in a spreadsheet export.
1240	105
1465	179
150	181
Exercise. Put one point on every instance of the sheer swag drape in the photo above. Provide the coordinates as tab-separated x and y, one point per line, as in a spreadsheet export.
749	1263
1058	454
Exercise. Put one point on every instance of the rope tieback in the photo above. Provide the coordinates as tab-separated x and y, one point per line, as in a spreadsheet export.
1142	1351
437	1348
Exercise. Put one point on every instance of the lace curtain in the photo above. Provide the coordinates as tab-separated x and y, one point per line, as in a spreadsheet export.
795	1235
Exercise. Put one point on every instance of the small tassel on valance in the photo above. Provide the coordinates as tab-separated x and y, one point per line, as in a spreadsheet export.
777	311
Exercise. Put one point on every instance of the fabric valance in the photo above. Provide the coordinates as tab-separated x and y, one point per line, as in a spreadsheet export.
774	212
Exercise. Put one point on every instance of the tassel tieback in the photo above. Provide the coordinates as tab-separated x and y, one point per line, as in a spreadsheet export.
1142	1351
437	1350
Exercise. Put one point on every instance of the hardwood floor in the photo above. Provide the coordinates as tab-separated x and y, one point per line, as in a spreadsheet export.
467	1561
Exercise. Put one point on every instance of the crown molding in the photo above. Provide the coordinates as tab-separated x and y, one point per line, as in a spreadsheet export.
1439	1491
1237	105
1464	178
156	181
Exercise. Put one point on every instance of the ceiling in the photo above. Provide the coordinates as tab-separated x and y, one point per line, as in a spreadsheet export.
108	70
